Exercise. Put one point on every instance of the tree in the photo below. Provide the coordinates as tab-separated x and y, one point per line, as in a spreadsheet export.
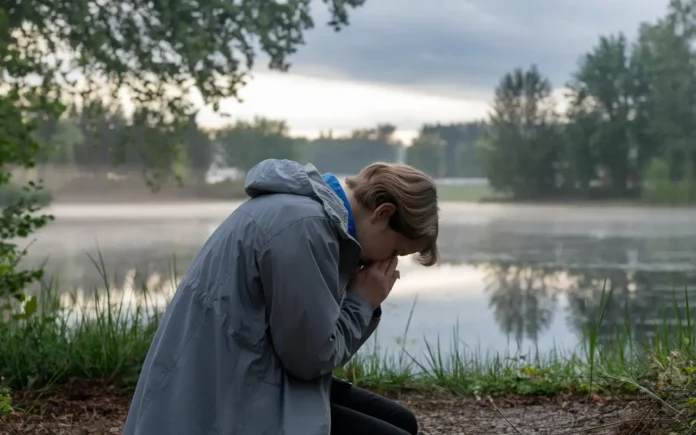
523	145
670	109
427	153
103	128
385	132
468	158
461	152
60	140
606	91
164	56
247	143
66	140
381	133
348	155
198	151
580	161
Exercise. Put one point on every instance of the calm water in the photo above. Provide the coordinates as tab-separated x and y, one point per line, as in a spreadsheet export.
513	277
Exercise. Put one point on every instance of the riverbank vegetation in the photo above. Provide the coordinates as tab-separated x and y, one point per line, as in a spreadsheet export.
103	340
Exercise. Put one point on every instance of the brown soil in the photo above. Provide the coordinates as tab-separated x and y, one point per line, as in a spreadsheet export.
80	408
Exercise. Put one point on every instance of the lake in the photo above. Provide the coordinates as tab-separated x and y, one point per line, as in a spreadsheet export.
513	277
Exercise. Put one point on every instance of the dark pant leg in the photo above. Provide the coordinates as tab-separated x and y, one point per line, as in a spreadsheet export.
346	421
373	405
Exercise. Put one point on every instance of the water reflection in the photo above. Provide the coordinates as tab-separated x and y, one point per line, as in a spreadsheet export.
641	301
526	279
648	279
524	299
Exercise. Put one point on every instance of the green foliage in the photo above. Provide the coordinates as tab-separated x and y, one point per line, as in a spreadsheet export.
61	141
657	177
18	148
660	189
5	399
460	139
581	166
348	155
165	57
17	220
247	143
630	103
611	104
11	194
428	154
380	133
468	156
199	149
523	143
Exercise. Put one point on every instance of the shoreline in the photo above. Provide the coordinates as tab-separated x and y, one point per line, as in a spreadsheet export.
165	200
580	203
451	212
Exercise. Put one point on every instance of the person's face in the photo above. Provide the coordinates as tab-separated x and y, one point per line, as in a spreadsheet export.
378	240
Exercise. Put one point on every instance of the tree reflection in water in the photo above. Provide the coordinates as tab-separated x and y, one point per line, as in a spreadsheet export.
529	275
523	298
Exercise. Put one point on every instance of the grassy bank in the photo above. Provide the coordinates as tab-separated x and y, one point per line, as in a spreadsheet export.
107	342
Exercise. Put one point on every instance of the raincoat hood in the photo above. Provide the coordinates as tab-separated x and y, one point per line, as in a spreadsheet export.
286	176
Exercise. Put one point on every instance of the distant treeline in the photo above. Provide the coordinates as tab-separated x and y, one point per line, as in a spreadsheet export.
629	131
93	140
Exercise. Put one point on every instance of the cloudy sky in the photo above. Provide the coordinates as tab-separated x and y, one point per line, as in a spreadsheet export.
410	61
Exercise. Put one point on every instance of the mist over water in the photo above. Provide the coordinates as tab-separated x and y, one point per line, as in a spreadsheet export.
513	277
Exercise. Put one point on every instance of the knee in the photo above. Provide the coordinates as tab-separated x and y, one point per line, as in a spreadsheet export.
409	422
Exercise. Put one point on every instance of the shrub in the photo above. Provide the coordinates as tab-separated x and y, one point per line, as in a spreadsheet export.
660	189
11	194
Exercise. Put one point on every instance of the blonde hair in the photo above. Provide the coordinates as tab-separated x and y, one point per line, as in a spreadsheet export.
413	194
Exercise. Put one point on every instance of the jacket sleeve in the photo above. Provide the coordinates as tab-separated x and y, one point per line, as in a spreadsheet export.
311	333
374	323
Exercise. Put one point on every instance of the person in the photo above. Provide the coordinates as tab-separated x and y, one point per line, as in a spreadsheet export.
286	290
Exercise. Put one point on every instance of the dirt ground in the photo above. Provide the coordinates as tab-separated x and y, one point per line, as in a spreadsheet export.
87	409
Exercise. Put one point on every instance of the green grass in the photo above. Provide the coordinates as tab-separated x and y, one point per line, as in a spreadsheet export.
109	343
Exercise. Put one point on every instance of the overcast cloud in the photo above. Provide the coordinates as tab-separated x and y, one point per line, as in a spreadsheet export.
463	47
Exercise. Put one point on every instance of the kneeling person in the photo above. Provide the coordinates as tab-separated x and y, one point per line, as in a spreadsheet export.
286	290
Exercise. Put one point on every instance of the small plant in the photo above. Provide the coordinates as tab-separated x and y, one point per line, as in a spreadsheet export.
19	206
5	399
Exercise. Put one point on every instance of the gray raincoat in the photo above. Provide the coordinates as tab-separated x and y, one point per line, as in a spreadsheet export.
262	318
